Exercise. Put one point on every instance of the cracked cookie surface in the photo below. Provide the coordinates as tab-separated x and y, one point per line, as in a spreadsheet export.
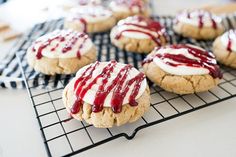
187	30
179	84
52	66
90	19
138	34
106	118
61	52
182	68
198	24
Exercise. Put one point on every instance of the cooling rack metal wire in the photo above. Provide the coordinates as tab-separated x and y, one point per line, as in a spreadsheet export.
64	136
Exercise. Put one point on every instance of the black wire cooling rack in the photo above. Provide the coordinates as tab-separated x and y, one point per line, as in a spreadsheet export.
64	137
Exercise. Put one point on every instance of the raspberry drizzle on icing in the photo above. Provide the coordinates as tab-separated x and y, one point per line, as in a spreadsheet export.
229	45
202	59
82	21
200	15
87	14
59	37
118	86
147	26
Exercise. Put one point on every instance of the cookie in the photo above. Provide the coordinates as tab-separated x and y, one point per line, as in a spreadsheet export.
9	34
4	26
90	19
182	69
124	8
61	52
107	94
224	48
198	24
138	34
67	5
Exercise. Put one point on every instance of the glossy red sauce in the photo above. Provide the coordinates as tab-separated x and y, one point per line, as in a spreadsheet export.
201	15
229	45
151	25
119	85
59	39
206	59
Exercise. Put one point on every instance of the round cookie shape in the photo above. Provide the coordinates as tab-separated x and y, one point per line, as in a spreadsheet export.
138	34
198	24
224	48
107	93
61	52
182	69
124	8
90	19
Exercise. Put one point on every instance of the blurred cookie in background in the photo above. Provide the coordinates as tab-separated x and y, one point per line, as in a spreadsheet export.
90	19
124	8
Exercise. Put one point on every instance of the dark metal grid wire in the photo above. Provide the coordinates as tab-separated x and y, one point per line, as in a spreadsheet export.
64	137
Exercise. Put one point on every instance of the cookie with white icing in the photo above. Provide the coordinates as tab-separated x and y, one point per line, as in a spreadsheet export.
182	69
198	24
61	52
224	48
138	34
124	8
107	94
90	19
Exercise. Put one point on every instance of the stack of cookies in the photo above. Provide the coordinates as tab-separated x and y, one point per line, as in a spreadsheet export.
110	93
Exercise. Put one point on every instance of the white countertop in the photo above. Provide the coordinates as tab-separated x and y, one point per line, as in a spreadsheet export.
207	132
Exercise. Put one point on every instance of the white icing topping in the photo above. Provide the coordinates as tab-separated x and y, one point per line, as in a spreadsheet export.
58	45
90	14
192	18
181	69
229	35
90	95
122	27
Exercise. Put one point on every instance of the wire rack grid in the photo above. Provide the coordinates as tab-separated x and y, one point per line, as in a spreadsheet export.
64	136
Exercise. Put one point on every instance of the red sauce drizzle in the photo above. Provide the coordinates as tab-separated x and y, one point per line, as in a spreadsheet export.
77	17
229	45
105	74
92	12
119	94
201	14
119	85
81	81
206	59
84	22
46	43
61	38
54	48
151	25
200	21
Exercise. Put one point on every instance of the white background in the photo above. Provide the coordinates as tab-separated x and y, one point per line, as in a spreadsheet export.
208	132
